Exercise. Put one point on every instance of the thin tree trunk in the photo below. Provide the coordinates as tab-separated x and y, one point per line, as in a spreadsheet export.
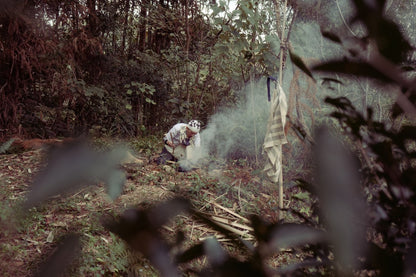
365	94
92	18
126	16
187	46
57	20
142	27
380	111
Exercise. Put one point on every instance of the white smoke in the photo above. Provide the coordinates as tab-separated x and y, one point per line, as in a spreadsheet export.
238	131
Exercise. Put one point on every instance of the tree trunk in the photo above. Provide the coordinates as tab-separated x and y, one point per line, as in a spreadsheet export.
187	45
125	27
92	20
142	26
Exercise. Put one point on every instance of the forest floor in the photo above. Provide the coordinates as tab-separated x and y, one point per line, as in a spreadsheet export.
227	192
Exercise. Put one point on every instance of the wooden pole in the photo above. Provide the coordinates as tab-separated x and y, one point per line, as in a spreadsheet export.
282	57
254	116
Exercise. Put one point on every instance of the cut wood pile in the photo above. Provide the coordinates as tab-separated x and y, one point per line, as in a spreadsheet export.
220	215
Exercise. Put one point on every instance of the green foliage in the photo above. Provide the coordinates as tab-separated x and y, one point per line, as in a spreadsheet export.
148	145
248	41
141	89
101	258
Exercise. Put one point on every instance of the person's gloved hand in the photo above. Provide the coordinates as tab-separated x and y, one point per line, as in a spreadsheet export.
186	142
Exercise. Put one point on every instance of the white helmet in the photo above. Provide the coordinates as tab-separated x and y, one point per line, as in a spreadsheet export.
194	126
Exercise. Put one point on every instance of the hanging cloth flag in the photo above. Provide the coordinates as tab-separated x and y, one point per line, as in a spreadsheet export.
275	135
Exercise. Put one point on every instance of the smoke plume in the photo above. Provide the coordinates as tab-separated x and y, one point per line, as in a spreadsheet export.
238	132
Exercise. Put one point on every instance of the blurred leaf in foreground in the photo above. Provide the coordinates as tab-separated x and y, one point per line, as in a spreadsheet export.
222	264
62	257
342	207
74	165
141	230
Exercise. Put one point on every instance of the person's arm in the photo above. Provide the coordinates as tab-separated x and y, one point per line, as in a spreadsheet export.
169	143
172	137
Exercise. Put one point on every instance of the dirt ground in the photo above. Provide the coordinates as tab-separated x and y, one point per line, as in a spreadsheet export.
221	192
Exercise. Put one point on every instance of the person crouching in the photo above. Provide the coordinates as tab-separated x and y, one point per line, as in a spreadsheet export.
180	142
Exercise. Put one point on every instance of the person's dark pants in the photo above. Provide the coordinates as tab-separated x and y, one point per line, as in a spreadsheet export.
165	156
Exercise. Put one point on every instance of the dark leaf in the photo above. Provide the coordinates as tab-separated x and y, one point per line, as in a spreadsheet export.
410	264
167	210
68	169
408	68
75	165
342	103
371	6
136	220
299	63
180	238
341	201
384	152
406	133
224	265
330	80
390	41
410	94
235	268
140	229
388	263
408	180
274	237
62	257
306	186
302	216
292	269
283	236
190	254
351	68
388	36
331	36
215	253
261	228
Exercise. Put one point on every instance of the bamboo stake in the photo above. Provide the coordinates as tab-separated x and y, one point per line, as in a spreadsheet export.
283	45
254	119
282	56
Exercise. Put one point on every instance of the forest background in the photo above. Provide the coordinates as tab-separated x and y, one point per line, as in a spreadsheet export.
127	68
132	69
